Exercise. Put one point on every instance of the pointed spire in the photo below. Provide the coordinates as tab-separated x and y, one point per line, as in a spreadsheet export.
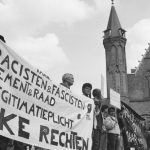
114	25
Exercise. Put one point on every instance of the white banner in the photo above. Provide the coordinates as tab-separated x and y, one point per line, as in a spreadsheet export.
115	99
36	111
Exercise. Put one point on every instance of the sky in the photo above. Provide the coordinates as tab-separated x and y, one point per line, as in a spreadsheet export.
66	36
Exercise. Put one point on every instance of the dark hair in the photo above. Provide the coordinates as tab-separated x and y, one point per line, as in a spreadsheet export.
97	93
86	85
111	109
119	111
103	108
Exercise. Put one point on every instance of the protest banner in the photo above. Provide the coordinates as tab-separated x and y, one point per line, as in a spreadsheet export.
36	111
115	99
133	129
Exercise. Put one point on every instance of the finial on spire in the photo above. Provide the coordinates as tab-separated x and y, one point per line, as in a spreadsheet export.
112	2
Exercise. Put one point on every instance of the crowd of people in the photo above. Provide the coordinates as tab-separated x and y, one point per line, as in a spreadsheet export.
113	129
109	132
107	120
106	130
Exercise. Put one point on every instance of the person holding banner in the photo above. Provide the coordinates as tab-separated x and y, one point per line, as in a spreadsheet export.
86	89
97	122
113	130
99	130
67	80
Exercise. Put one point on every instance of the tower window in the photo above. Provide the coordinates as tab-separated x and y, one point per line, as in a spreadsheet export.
122	32
107	33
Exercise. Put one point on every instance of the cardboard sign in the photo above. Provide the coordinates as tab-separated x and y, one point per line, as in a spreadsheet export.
115	99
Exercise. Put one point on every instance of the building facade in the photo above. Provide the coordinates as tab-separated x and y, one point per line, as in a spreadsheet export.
134	88
139	88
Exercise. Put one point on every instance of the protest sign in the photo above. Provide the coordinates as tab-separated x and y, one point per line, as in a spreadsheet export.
115	99
36	111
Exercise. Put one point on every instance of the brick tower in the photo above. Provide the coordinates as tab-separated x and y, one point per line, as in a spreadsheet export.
116	69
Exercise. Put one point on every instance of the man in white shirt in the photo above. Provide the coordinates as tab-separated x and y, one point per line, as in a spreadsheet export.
67	80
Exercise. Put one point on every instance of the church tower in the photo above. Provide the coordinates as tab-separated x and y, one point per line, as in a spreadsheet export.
114	43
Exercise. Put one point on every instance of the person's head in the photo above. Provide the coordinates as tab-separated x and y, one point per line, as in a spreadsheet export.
120	113
67	80
111	111
104	110
86	89
97	94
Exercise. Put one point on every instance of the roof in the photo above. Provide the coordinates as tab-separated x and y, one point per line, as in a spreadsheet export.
144	65
113	22
142	107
